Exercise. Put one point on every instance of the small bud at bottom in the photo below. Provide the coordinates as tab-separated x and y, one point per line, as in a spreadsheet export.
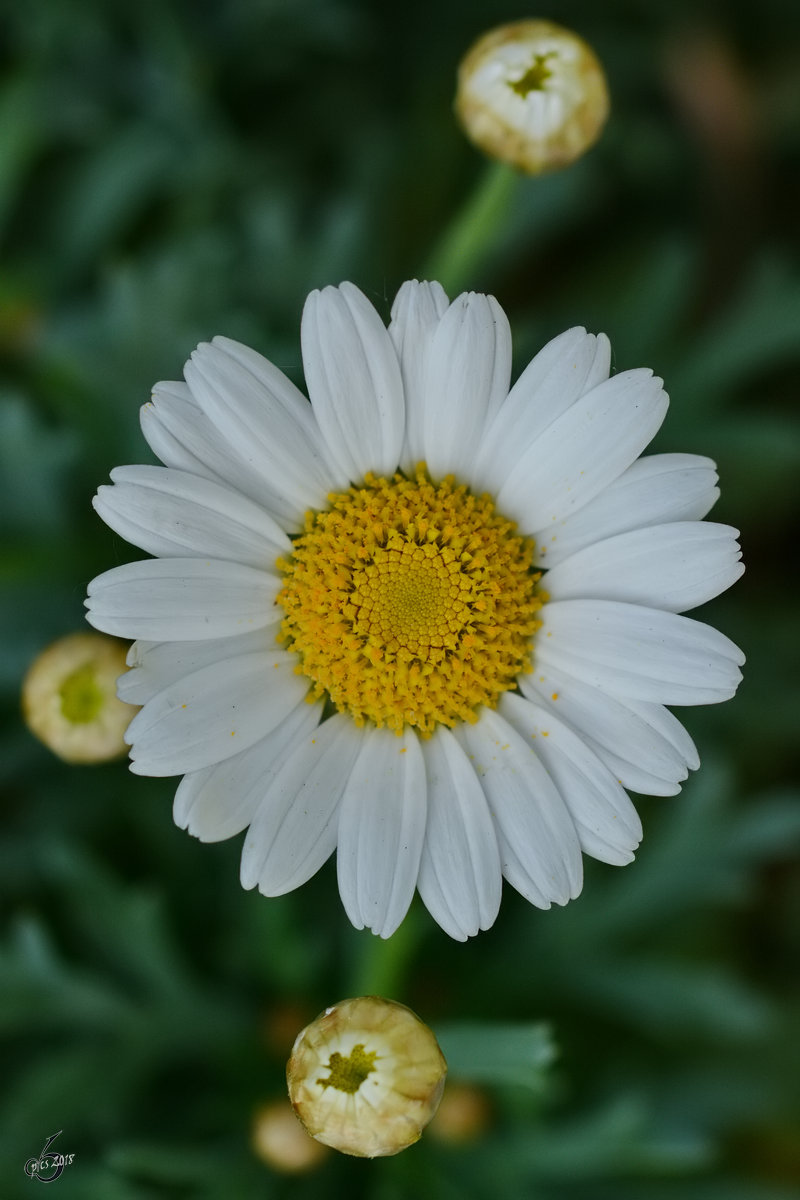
280	1141
464	1115
366	1077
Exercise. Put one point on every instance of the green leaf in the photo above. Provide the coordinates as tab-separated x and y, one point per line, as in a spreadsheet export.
111	189
664	998
756	332
21	134
166	1164
618	1137
483	1052
34	463
42	994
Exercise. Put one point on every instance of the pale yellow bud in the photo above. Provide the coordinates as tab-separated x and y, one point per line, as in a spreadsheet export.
69	698
280	1141
280	1024
366	1077
464	1115
532	94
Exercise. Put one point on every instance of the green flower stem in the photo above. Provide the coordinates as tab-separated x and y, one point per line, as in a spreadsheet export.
475	230
381	965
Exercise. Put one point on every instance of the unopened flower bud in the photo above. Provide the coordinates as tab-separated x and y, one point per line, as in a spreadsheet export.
366	1077
464	1115
532	94
69	698
280	1025
280	1141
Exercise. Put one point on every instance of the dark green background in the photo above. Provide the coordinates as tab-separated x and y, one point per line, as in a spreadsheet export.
171	170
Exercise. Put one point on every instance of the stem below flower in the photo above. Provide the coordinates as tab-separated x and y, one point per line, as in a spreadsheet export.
380	966
475	229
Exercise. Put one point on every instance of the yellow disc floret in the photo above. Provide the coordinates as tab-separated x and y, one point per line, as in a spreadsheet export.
410	603
347	1073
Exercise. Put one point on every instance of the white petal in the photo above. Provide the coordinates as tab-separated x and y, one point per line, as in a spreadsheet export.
607	824
669	727
539	846
466	376
632	775
294	830
675	567
174	514
169	423
460	875
181	435
354	382
416	312
381	831
631	731
156	665
265	417
584	450
182	599
214	713
564	370
653	491
628	650
501	366
220	801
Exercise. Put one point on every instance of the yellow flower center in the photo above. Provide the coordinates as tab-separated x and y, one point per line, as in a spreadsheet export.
410	603
535	77
348	1074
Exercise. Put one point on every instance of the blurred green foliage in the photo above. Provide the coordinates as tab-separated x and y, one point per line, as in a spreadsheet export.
171	170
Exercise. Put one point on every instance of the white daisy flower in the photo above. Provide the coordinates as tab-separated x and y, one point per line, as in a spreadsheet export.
425	621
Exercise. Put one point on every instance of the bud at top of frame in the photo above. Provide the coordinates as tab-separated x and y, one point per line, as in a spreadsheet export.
532	94
366	1077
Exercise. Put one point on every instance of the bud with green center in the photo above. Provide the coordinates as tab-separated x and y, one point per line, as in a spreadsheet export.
69	698
532	94
366	1077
